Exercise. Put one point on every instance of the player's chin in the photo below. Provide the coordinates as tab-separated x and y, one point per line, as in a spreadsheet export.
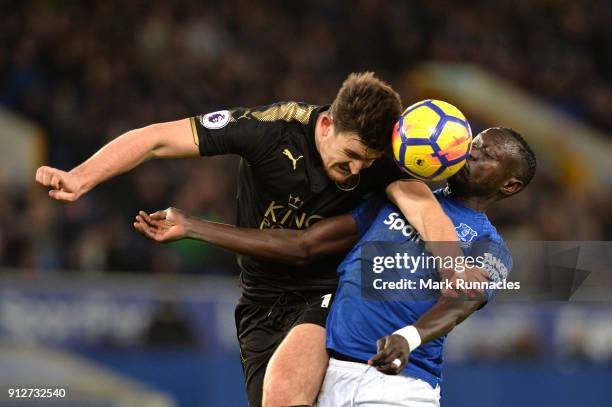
461	177
460	182
338	175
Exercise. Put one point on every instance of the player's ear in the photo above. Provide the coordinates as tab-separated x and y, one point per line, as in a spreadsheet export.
511	186
327	124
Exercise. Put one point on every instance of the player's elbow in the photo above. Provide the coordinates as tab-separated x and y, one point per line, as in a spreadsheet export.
308	250
463	294
143	142
171	139
304	254
155	133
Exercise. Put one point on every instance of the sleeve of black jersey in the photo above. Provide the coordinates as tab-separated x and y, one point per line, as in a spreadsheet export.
235	131
386	171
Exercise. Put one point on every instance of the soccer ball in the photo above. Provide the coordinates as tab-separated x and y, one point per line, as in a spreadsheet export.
431	140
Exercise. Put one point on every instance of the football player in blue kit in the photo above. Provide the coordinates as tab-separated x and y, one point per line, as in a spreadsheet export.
389	352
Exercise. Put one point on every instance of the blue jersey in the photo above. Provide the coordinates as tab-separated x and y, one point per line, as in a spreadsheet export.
355	324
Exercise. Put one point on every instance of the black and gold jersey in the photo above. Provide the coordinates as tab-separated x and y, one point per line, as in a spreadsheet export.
282	184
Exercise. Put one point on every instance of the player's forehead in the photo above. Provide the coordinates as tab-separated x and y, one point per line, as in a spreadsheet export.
497	141
353	145
490	138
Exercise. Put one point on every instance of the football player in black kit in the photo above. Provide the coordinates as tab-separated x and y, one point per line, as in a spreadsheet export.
300	163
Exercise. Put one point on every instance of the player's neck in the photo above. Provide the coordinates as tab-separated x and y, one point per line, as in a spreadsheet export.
477	203
318	133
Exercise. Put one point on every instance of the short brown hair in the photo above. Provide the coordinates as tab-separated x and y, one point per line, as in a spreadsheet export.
367	106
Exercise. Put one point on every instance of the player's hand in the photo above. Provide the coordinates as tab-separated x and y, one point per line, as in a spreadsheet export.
391	348
162	226
64	185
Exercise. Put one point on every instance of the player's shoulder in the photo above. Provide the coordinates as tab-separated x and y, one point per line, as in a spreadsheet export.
489	232
296	112
495	244
442	194
470	225
492	232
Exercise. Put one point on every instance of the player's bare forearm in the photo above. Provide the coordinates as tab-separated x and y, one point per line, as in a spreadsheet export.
329	236
171	139
298	247
162	140
421	208
282	245
443	317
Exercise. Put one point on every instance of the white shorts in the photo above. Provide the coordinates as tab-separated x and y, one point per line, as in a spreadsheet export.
350	384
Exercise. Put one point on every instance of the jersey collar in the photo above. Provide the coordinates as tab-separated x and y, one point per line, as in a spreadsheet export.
317	176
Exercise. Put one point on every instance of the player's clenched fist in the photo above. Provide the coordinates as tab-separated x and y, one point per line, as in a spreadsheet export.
64	185
392	356
162	226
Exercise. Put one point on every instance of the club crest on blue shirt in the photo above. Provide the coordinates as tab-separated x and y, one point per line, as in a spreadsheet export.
465	233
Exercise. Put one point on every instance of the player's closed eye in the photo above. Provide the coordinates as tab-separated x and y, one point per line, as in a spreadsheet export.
353	155
488	153
367	162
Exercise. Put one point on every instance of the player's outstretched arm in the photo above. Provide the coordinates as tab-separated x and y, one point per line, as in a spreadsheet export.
445	315
298	247
162	140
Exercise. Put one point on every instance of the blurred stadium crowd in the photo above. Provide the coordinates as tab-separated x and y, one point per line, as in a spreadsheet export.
86	72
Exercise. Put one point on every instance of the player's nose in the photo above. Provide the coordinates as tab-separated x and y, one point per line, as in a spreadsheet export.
474	153
356	167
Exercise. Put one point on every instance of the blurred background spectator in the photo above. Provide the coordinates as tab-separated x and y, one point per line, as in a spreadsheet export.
89	71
